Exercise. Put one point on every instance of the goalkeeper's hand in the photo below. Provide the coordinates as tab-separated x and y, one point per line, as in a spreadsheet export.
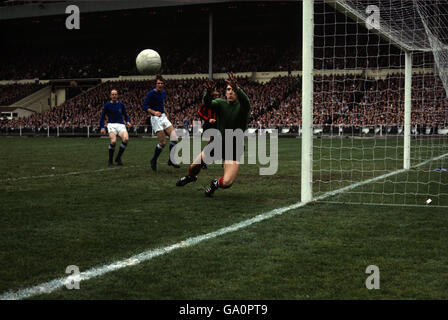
210	87
232	82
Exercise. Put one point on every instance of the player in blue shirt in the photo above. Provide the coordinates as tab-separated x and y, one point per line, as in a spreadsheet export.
154	104
115	111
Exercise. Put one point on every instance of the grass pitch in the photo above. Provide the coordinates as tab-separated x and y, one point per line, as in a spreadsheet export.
61	205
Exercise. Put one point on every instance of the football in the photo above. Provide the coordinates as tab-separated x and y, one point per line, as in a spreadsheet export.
148	62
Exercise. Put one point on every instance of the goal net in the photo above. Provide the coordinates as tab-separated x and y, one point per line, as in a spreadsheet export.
379	102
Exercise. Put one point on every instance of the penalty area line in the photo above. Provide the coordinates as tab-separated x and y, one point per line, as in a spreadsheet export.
53	285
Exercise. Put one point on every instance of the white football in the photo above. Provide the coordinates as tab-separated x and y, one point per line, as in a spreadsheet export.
148	62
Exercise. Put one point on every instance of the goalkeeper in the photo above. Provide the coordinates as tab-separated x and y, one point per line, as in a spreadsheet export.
231	113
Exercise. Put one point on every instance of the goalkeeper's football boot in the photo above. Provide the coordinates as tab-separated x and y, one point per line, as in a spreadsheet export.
184	180
212	188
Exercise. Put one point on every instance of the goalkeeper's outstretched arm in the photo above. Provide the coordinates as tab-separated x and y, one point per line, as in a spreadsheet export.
210	91
242	97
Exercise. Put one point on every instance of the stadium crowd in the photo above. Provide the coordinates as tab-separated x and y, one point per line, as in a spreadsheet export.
11	93
348	100
96	63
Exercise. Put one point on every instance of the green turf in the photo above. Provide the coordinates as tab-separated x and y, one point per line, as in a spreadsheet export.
60	206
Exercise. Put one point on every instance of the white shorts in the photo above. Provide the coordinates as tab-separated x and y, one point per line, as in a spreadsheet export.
115	127
160	123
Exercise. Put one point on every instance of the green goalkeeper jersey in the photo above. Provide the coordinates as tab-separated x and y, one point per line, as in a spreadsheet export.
230	115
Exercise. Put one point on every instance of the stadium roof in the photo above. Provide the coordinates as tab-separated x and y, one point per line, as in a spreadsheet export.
15	9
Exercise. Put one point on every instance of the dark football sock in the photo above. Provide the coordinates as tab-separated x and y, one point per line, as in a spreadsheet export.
121	150
157	152
194	169
111	152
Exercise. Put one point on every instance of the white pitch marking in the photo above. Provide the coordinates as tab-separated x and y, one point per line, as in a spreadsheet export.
384	204
64	174
58	283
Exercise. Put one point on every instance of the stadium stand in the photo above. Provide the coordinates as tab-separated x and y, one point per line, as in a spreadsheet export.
11	93
262	44
275	104
100	64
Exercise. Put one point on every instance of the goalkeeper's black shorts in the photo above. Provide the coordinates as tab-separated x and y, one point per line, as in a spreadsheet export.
234	150
208	125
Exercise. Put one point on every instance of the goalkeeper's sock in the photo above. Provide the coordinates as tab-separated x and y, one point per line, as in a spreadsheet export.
221	185
194	169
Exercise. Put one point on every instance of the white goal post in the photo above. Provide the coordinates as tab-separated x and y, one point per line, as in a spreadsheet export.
378	41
